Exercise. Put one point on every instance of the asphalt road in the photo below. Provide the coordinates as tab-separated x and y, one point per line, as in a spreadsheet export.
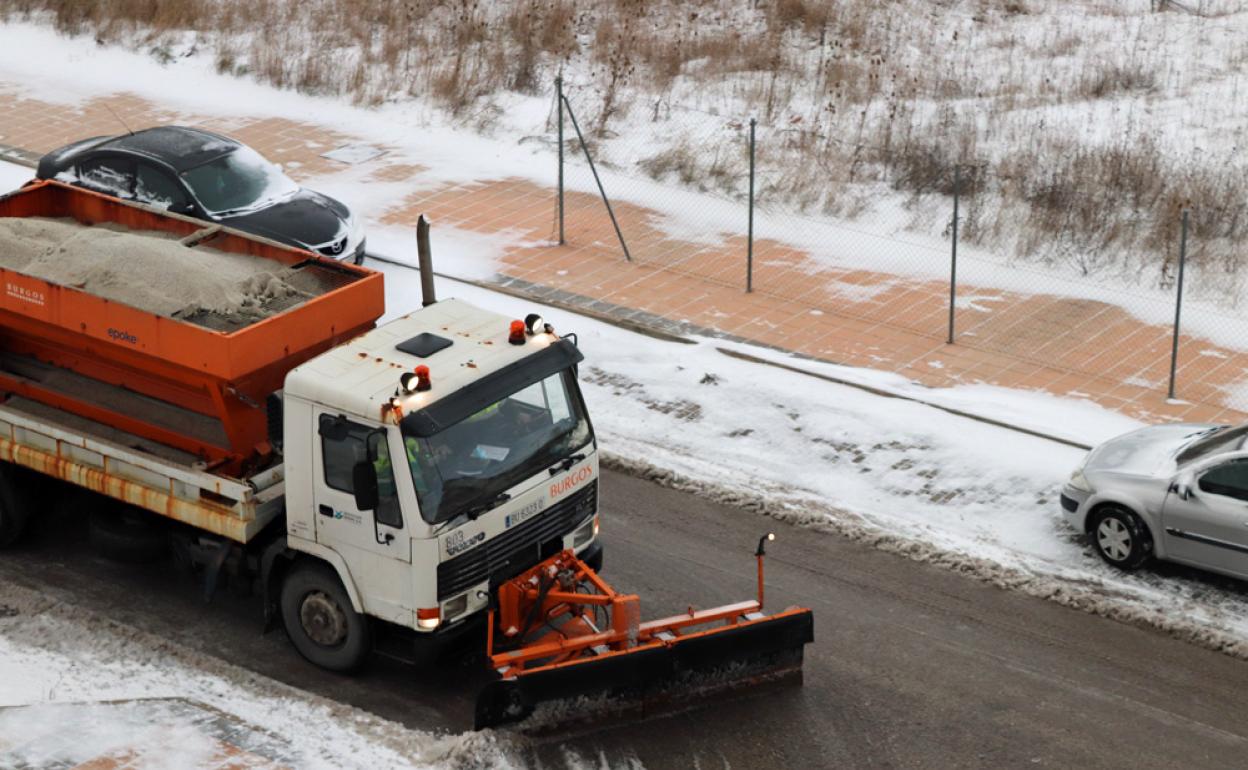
912	666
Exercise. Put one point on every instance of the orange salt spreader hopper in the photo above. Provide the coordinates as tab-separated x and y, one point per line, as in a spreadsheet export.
196	383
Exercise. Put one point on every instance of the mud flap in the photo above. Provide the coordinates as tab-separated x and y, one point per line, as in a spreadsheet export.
729	657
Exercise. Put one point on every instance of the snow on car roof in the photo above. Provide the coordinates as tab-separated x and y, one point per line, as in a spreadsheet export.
179	146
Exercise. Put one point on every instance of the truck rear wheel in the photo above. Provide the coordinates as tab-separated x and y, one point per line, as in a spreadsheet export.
320	621
14	505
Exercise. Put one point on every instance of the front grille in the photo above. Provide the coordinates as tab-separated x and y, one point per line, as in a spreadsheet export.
518	548
1070	504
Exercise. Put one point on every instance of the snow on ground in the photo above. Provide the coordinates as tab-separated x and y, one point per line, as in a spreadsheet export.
1071	418
53	655
13	176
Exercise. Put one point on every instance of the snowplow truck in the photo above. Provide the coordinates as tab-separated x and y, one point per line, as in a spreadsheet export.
363	476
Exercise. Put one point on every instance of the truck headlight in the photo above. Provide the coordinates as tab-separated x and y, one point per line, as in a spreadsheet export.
585	532
453	608
1079	481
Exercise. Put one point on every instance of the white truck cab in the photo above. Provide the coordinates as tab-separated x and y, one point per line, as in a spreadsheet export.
426	462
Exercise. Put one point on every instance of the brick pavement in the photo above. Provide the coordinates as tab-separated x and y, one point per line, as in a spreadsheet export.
1056	344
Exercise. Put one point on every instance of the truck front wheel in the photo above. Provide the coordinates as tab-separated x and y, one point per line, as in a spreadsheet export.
320	620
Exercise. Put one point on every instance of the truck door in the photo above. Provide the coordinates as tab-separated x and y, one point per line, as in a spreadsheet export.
1210	527
343	444
374	544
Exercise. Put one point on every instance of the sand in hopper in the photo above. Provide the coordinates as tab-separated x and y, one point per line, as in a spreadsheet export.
146	270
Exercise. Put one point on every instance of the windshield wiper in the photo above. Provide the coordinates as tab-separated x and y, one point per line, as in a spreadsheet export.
242	209
566	463
473	512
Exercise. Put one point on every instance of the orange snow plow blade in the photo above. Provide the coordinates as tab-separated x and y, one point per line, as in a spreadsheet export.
561	634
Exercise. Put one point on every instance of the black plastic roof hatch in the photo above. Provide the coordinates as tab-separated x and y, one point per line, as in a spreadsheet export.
424	345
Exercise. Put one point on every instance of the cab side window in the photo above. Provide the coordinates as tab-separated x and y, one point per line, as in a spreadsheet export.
112	176
158	188
1229	480
342	447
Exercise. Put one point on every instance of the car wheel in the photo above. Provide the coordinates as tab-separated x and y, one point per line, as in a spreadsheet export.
1121	538
320	620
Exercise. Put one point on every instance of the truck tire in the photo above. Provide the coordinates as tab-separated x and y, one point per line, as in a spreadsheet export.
14	505
127	535
320	621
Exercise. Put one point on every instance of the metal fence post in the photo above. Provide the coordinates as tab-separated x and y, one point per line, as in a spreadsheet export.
1178	305
601	190
953	260
749	253
559	100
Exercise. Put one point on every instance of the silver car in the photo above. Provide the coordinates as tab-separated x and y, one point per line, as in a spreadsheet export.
1174	492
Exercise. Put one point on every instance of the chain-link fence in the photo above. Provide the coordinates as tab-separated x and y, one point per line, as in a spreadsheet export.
718	203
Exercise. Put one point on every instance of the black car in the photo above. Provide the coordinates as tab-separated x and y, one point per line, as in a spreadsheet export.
204	175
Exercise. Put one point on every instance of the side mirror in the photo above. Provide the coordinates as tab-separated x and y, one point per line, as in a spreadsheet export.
183	208
1182	487
364	481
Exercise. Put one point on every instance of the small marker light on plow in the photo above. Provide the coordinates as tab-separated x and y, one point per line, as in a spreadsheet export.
516	335
534	323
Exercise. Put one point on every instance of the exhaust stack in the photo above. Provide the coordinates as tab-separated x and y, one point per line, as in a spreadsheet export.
428	297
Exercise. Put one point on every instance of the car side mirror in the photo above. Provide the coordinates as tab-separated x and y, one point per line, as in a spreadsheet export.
1182	488
183	208
364	482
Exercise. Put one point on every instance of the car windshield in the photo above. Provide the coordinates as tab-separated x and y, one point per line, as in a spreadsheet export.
238	181
1223	438
469	464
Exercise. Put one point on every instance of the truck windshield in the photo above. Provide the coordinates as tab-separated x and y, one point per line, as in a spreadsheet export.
470	463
